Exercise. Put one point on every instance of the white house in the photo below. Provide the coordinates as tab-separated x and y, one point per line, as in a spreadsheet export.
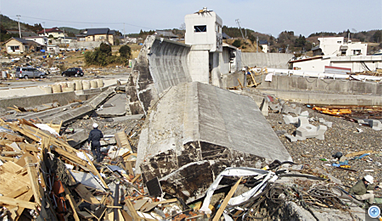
42	40
326	64
337	46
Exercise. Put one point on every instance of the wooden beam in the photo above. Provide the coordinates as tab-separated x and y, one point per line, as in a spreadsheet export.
225	202
241	85
74	158
33	179
16	202
72	203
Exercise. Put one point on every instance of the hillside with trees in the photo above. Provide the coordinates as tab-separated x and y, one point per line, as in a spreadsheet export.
285	42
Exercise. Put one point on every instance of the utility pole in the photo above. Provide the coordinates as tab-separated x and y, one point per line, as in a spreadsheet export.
123	31
257	43
238	24
44	29
18	16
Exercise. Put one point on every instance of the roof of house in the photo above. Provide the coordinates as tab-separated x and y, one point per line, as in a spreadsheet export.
49	30
23	41
263	42
97	31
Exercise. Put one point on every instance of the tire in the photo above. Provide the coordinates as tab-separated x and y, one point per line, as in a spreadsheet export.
76	75
26	77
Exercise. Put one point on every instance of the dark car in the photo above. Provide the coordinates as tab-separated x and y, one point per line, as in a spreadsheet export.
73	72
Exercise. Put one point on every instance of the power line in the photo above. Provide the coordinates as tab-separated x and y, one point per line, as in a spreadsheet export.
86	22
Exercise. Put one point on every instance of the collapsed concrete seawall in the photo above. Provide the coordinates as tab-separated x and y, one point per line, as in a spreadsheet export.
323	91
270	60
197	130
161	64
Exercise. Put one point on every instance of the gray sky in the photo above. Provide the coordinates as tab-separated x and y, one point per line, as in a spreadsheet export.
268	16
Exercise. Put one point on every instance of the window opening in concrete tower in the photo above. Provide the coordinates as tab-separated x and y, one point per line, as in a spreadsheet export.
200	28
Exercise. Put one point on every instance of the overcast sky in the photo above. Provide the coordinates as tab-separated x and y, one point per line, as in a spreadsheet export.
267	16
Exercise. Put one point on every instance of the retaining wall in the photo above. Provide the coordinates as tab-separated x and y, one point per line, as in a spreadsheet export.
323	91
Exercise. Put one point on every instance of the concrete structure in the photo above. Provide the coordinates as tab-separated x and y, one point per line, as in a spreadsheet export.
337	46
204	29
204	34
197	130
270	60
323	91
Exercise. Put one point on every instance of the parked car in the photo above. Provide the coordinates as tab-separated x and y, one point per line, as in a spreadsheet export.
29	72
73	72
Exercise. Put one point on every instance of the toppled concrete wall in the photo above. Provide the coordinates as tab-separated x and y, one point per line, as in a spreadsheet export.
197	130
323	91
161	64
270	60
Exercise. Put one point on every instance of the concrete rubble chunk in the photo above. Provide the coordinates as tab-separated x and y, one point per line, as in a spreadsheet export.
114	107
327	123
375	124
199	127
288	119
286	109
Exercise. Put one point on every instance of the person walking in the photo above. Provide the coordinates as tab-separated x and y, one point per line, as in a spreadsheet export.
95	136
363	189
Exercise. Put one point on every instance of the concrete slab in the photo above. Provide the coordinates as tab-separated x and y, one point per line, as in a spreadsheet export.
114	107
195	122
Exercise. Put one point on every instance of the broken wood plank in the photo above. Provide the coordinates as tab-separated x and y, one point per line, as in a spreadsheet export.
11	167
358	153
72	204
8	159
74	158
33	179
86	195
136	178
133	212
241	85
16	202
18	192
226	199
122	140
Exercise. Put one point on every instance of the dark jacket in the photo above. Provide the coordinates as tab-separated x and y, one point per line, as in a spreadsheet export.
95	136
360	188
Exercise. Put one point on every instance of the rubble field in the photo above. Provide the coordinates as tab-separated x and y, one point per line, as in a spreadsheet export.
57	179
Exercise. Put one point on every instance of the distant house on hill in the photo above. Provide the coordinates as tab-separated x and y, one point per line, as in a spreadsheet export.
20	46
337	46
99	34
55	32
264	46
